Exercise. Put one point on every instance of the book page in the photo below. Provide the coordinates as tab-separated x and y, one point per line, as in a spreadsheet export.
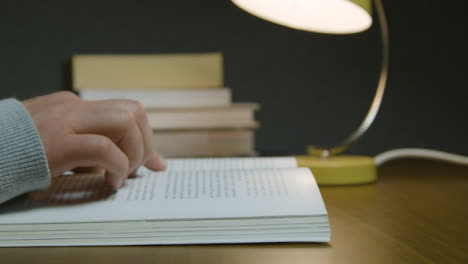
174	194
231	163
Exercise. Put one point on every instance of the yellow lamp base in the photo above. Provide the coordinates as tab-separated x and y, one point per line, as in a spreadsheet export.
340	170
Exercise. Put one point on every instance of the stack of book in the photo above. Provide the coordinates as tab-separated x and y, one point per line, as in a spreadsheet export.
188	106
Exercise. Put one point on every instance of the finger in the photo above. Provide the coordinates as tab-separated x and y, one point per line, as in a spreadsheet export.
97	151
156	163
117	124
132	145
151	159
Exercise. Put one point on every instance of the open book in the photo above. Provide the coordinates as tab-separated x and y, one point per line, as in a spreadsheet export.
210	200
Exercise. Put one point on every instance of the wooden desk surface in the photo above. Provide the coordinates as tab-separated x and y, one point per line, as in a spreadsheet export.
416	213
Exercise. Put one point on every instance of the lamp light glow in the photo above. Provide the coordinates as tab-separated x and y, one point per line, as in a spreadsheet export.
331	16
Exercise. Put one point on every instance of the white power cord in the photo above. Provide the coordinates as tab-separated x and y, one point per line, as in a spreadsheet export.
419	153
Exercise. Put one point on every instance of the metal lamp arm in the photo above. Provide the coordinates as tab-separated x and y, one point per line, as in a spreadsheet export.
374	108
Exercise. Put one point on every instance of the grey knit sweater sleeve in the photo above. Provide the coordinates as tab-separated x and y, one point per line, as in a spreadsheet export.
23	164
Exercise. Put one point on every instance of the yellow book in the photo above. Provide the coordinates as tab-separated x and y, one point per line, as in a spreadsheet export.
195	70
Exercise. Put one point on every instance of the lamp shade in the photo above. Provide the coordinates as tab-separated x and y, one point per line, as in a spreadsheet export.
324	16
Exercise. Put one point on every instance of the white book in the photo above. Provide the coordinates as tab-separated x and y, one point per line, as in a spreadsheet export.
164	98
196	201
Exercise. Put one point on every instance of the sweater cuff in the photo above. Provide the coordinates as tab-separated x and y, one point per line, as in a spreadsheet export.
23	163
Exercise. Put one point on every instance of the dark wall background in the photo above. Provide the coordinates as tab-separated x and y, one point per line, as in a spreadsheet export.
313	88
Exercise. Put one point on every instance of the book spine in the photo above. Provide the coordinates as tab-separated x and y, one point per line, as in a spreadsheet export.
164	98
209	143
148	71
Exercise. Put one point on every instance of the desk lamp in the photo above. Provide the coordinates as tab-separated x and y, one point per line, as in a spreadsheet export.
332	17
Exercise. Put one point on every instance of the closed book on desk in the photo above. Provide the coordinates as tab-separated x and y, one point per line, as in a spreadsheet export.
147	71
239	115
205	143
196	201
164	98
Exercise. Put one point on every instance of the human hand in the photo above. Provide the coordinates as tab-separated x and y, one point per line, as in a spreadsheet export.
113	135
